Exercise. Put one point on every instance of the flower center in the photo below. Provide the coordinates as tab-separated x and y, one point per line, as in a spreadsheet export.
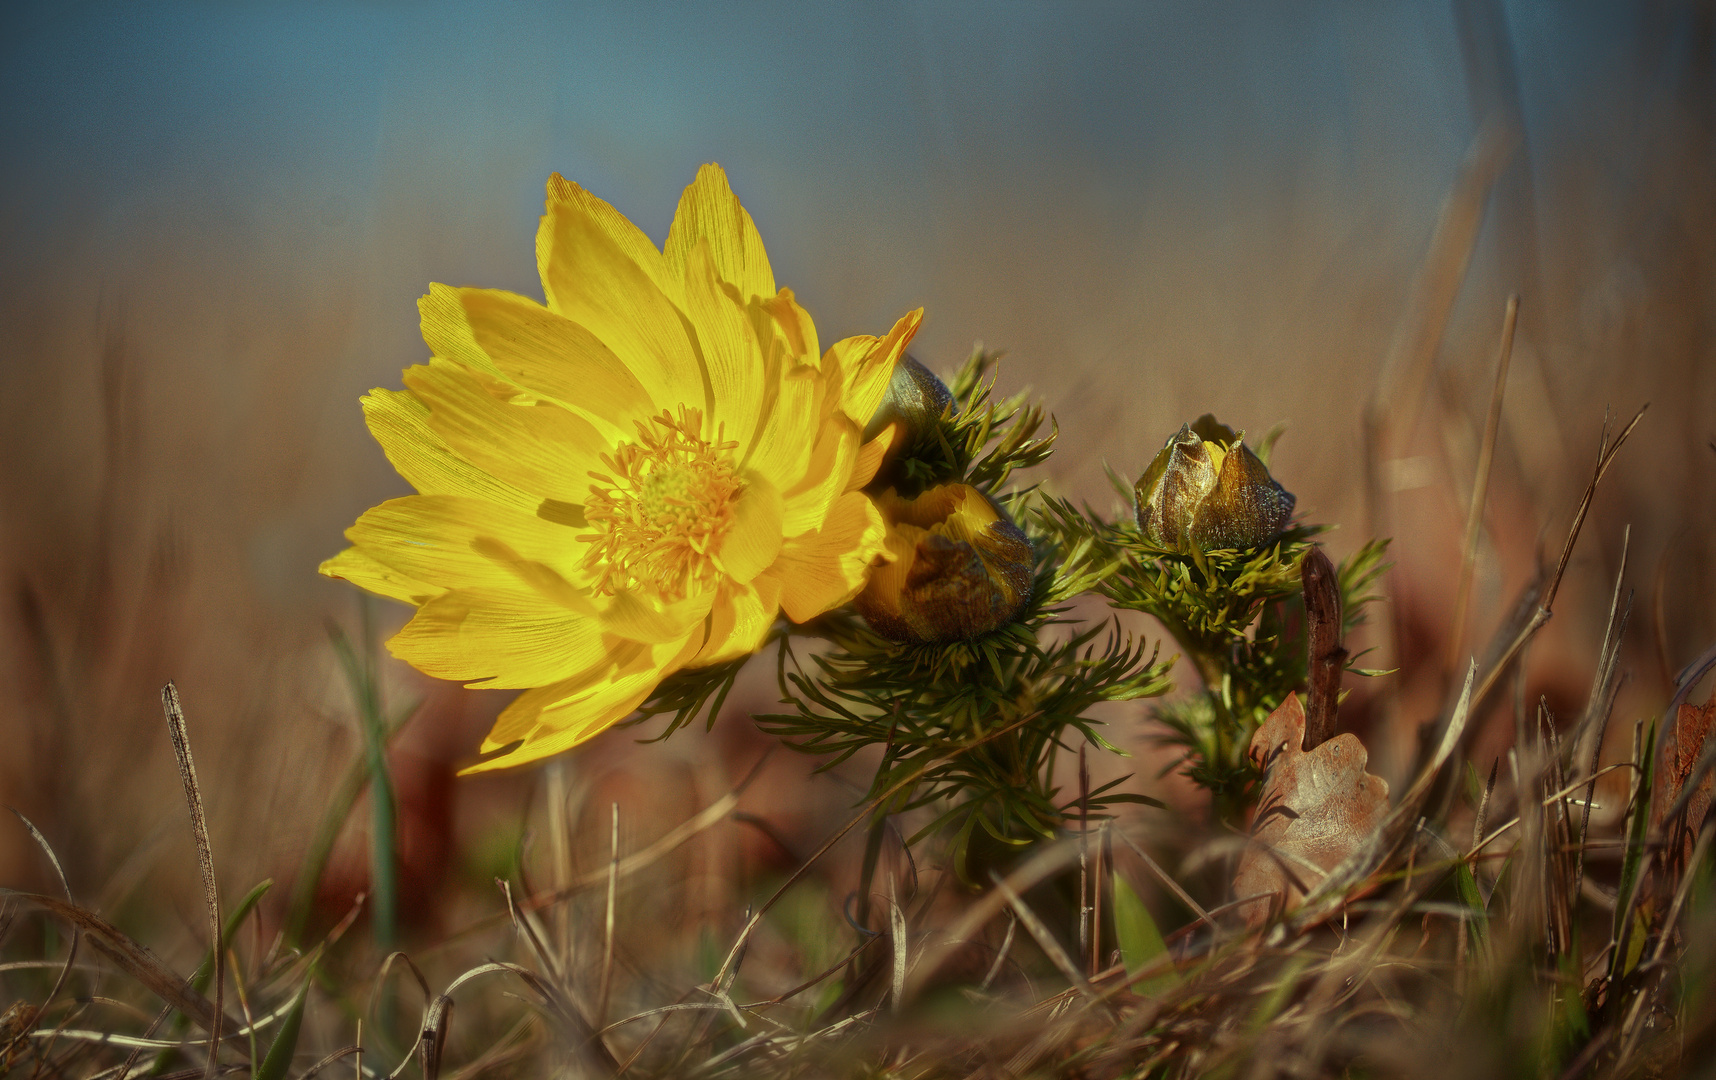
663	508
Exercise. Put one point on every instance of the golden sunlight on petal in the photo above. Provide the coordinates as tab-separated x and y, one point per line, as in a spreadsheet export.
591	281
367	572
499	639
795	326
828	567
825	477
558	717
436	539
781	451
539	448
627	237
730	350
740	620
710	211
869	459
868	363
543	353
754	538
638	617
400	423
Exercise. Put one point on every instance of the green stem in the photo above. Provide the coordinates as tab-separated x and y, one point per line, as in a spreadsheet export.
384	817
362	674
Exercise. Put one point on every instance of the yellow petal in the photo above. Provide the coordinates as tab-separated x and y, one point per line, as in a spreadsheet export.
823	569
826	472
740	620
447	332
754	538
867	364
795	325
539	447
730	350
400	423
546	354
558	717
592	281
626	236
499	638
367	572
780	451
709	211
870	457
637	616
459	542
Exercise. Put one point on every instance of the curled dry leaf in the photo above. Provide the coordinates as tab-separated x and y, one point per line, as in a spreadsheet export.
1317	808
1682	744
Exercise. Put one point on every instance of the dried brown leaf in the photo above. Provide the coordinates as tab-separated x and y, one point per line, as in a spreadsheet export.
1682	744
1317	808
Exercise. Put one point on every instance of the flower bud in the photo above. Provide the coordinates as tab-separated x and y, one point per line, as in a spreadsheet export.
961	568
1207	490
916	399
913	407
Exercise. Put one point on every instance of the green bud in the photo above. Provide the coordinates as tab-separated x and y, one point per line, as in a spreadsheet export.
959	568
1207	490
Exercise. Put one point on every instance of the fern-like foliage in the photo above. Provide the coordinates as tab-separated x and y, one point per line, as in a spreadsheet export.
1239	617
972	728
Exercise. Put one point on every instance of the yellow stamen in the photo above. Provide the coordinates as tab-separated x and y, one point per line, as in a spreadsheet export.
662	514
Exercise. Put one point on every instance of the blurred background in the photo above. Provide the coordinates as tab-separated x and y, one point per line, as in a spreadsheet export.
216	219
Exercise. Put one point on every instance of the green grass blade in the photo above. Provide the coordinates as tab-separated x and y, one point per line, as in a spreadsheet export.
1140	941
1473	897
278	1060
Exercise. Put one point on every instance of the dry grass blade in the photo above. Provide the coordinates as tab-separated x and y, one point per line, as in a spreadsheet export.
574	1028
77	933
342	1052
1046	863
897	931
1481	484
730	964
710	816
1605	457
1045	940
134	959
608	920
1173	886
1595	723
205	855
1001	953
432	1040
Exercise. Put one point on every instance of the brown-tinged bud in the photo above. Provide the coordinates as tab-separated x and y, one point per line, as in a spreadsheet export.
1207	490
961	568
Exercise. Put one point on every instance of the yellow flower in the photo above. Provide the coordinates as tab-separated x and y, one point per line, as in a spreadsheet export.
960	567
633	479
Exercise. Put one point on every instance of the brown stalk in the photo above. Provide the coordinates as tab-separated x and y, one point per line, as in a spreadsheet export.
205	857
1328	656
